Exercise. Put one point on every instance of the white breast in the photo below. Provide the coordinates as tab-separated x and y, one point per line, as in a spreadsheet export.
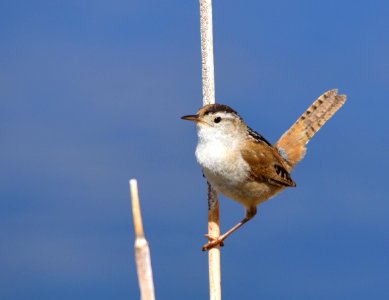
220	157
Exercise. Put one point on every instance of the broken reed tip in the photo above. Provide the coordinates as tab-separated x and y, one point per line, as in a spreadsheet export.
136	212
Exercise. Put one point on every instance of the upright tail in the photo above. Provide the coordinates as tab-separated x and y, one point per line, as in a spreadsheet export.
292	144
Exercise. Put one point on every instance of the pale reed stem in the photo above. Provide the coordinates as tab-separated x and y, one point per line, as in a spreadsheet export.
209	98
142	251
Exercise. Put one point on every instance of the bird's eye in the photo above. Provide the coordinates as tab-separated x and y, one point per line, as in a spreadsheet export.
217	120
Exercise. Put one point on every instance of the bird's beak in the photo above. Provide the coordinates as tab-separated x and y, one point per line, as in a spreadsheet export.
194	118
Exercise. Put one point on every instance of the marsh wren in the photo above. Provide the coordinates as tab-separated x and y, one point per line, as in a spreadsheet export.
242	165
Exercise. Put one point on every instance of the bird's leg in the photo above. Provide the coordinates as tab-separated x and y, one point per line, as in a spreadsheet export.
250	213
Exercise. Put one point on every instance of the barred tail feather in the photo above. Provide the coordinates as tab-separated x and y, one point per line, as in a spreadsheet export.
292	144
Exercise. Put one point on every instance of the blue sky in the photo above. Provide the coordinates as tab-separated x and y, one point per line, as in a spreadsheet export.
91	95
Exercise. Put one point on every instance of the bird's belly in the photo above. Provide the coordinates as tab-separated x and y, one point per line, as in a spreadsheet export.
248	193
229	174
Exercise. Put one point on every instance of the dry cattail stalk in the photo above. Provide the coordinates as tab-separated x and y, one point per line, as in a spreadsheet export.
209	98
142	251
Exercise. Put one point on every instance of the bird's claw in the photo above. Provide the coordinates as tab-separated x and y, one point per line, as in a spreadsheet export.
213	242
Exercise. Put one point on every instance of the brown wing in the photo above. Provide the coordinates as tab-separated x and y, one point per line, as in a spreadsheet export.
266	164
292	144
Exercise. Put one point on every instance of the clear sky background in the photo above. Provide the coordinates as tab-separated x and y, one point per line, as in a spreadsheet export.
91	95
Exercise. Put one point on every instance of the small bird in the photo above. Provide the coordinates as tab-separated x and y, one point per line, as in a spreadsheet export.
242	165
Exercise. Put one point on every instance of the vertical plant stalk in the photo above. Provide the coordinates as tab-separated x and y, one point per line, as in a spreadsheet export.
207	61
142	251
208	76
215	292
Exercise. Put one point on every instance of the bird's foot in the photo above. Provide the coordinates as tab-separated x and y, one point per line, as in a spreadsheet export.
213	242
